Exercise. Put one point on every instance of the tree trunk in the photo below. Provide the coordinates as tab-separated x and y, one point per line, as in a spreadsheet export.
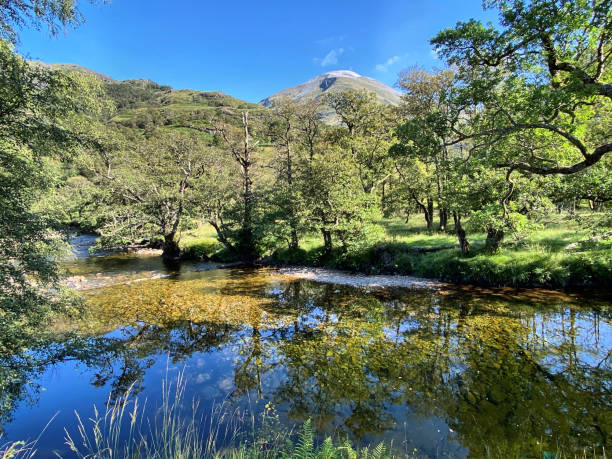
383	199
493	241
464	245
429	214
426	208
294	243
443	219
171	249
221	235
247	242
327	241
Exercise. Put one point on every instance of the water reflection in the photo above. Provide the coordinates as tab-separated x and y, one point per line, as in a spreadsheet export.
452	373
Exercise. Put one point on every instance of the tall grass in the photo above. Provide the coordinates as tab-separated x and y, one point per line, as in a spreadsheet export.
123	430
18	449
22	449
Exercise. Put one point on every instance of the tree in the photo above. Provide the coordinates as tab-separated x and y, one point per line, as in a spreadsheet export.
338	204
544	72
54	14
367	135
283	130
152	189
428	112
239	146
39	121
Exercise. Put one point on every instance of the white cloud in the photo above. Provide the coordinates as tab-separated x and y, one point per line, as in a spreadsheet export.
330	58
388	63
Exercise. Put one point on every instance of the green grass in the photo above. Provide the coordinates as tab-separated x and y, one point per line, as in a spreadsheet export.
544	258
201	243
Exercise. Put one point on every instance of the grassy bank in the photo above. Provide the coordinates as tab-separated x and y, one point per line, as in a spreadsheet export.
566	252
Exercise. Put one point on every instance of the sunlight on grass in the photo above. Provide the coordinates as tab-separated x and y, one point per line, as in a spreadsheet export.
564	251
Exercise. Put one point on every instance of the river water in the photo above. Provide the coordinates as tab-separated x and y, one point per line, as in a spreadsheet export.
437	371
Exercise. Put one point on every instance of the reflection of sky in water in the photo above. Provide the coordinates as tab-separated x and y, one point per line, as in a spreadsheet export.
439	372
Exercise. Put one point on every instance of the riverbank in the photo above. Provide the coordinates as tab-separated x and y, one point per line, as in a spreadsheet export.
566	253
263	338
512	268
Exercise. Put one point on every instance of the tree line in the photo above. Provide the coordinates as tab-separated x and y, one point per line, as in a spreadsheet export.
514	128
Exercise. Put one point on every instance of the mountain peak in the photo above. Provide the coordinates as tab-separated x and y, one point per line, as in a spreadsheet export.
341	73
335	81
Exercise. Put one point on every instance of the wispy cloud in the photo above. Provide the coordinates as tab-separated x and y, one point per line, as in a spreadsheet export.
331	58
388	63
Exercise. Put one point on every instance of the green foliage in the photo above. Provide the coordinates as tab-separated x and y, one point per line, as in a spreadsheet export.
541	80
152	187
54	14
37	129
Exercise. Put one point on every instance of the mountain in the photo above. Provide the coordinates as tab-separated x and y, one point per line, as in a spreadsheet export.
76	69
334	82
143	104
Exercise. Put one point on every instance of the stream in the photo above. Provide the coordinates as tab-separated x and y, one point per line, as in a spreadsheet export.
435	370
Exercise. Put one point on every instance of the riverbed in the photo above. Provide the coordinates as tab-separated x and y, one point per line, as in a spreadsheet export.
435	370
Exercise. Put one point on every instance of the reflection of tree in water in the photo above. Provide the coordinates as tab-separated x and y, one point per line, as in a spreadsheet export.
483	370
507	394
118	362
498	374
157	318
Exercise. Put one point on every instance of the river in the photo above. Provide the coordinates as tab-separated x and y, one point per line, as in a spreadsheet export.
439	371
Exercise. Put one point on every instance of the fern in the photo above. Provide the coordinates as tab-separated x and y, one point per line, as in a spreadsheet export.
348	448
327	450
305	442
379	452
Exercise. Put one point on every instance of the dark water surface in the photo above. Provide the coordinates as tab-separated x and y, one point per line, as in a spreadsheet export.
439	373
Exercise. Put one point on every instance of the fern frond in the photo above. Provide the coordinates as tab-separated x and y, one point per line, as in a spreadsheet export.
379	452
326	450
305	443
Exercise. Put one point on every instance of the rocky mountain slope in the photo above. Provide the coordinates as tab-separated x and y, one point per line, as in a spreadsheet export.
334	82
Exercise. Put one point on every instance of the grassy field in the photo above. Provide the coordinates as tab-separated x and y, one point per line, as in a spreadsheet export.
565	252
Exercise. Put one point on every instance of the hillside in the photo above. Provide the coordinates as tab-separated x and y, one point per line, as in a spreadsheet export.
76	69
335	82
144	103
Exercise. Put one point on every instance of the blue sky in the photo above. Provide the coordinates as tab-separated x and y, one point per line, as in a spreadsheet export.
251	49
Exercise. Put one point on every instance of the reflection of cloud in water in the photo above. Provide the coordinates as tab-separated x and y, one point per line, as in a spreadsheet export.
437	369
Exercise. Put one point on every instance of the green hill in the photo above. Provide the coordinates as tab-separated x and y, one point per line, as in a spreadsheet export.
143	103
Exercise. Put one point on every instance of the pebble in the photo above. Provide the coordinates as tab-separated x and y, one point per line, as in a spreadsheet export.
359	280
